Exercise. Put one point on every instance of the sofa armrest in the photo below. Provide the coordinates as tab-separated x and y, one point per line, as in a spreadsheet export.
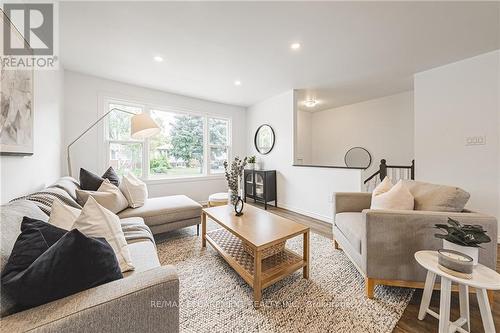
143	302
392	238
351	202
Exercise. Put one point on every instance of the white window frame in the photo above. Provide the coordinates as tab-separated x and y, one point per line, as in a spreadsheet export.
147	108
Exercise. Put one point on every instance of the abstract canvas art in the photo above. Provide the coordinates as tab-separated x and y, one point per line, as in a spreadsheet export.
16	110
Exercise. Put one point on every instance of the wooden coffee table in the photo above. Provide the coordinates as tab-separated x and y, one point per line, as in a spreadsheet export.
260	230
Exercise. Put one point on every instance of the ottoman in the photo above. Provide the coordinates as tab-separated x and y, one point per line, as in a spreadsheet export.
217	199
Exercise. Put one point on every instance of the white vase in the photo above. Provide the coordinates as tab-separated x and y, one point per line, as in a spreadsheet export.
472	252
251	166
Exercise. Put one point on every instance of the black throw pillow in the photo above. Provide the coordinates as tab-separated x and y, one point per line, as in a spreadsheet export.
72	264
35	238
112	176
89	181
50	232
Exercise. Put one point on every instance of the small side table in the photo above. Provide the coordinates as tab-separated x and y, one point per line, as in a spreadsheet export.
483	279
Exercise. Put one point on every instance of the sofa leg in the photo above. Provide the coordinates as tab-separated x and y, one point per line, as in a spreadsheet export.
369	287
336	245
197	230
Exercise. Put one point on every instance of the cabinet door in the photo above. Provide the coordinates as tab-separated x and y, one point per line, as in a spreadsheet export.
249	183
259	185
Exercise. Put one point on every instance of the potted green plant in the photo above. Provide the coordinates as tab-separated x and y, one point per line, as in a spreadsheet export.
463	238
233	175
251	162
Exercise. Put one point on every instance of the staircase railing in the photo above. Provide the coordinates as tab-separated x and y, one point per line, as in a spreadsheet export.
395	172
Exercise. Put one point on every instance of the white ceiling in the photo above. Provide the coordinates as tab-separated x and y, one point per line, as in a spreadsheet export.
351	51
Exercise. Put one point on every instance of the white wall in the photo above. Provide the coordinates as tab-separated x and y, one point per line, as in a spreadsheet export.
305	190
82	99
303	151
23	175
383	126
453	102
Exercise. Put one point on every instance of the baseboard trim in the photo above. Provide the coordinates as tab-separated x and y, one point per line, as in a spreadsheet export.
320	217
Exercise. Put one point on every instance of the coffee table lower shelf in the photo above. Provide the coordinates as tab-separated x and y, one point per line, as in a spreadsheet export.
273	268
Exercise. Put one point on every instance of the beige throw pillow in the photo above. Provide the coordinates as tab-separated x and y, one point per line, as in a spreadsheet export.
63	216
97	221
383	187
134	189
398	197
437	198
107	195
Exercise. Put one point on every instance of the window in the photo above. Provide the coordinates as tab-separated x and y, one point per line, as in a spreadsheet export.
218	145
125	154
178	149
188	144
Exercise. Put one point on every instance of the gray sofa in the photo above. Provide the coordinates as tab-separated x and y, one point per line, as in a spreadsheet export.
381	243
145	300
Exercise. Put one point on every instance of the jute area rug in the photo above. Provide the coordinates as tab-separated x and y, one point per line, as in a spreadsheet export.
213	298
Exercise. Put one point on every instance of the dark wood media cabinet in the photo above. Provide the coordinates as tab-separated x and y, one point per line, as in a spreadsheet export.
260	185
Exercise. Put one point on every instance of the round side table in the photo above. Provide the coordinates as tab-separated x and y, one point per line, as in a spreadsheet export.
483	279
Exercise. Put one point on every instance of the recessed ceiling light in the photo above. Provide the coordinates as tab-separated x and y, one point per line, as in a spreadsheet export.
237	83
310	103
295	46
158	59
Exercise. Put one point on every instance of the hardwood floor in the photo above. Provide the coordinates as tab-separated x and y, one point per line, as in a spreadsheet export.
409	322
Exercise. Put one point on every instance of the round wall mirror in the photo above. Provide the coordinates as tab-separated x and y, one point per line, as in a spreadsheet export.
358	157
264	139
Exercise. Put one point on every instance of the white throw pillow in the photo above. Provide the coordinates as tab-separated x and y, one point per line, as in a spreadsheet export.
398	197
97	221
107	195
134	189
63	216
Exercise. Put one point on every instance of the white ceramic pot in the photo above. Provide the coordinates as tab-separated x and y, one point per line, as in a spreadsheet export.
251	166
472	252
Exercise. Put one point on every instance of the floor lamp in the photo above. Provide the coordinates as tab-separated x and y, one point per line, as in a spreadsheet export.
141	124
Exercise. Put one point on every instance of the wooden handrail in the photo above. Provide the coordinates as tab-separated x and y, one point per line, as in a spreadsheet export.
371	177
382	171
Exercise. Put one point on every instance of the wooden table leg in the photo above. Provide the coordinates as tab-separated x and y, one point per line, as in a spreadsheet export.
444	305
305	255
203	229
257	279
426	296
484	308
463	292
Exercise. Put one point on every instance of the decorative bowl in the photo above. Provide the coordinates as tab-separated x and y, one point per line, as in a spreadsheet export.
456	261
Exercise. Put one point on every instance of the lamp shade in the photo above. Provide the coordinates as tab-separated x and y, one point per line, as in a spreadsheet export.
142	126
